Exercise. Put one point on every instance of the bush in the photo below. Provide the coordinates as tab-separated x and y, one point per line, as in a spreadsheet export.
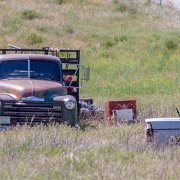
33	38
30	14
171	44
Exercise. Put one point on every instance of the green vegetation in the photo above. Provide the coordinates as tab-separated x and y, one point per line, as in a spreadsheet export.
133	54
68	29
121	7
59	2
33	38
133	50
171	44
30	14
13	23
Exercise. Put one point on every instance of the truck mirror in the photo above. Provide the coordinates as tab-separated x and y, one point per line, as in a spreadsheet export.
86	74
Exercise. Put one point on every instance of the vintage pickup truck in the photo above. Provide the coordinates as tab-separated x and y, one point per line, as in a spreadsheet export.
39	86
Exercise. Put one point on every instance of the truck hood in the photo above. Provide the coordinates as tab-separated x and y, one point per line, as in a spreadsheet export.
164	123
25	89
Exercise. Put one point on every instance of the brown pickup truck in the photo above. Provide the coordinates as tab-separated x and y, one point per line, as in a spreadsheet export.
33	87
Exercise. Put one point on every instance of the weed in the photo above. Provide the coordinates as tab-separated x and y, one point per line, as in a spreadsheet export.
114	41
108	44
59	2
72	14
163	62
33	38
121	7
133	8
120	38
49	150
171	44
42	28
82	1
30	14
115	1
13	23
87	125
68	29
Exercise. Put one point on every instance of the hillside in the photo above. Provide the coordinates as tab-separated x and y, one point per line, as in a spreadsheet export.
133	49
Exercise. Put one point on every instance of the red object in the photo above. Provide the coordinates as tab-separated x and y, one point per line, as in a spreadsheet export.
68	79
117	105
13	122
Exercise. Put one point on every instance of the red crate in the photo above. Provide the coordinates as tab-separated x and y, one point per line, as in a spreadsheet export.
117	105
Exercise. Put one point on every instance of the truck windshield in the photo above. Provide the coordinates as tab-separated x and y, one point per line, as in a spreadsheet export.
34	69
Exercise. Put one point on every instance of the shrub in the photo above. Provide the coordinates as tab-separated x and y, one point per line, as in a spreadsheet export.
171	44
33	38
30	14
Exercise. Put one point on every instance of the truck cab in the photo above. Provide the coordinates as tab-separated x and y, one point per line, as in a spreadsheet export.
33	89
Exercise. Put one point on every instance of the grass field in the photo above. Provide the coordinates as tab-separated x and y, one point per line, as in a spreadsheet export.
133	50
97	153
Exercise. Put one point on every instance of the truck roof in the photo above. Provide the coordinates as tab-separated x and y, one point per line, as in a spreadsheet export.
164	123
29	56
162	119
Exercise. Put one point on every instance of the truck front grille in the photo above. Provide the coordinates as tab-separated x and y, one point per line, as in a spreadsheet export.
34	113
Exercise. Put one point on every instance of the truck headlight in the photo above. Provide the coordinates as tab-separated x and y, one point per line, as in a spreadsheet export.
69	104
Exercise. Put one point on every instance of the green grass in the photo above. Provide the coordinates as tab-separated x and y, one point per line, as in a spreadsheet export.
33	38
121	7
134	53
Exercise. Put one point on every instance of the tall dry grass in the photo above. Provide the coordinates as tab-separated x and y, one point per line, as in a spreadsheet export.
98	153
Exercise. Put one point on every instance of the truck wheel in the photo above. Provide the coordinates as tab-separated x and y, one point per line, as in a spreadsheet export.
174	141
